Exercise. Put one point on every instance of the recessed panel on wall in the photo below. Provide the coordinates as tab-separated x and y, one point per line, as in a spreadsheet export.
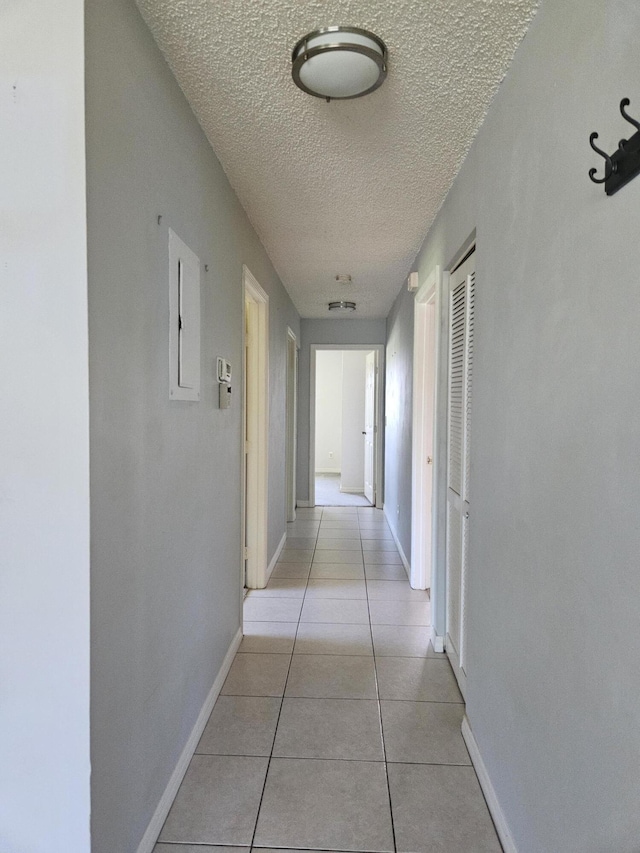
184	321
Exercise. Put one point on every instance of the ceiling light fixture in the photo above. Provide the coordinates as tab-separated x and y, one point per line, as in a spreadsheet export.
343	279
339	62
342	306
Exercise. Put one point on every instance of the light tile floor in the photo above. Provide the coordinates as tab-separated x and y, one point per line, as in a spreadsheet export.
338	726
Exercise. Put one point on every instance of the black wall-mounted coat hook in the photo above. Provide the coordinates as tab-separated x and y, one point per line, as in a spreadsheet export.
624	164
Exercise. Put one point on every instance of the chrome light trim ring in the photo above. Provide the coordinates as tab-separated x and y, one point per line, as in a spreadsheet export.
342	305
299	57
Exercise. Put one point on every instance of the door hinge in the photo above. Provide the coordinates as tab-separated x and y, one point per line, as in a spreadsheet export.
246	553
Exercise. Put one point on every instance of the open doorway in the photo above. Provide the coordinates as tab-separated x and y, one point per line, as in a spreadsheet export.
346	446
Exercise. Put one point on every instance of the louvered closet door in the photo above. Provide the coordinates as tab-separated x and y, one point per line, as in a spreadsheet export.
462	284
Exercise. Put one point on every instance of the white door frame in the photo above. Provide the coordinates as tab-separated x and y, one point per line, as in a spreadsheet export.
379	349
254	492
426	343
292	421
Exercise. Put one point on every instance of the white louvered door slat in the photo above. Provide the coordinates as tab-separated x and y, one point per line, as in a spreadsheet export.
456	388
468	363
461	340
468	360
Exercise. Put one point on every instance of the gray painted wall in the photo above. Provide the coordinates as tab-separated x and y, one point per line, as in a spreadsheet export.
399	413
343	332
554	588
165	476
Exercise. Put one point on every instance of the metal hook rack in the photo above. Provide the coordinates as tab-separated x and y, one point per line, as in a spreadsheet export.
624	164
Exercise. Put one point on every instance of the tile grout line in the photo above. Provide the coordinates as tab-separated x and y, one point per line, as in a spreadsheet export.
384	746
316	758
348	699
284	690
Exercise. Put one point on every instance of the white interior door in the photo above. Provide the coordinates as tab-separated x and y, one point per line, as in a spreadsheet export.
461	323
370	428
428	450
422	448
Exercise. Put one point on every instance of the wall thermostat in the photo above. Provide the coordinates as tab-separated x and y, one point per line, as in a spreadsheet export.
224	383
224	370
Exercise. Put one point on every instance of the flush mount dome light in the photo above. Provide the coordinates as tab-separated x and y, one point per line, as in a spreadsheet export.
342	306
339	62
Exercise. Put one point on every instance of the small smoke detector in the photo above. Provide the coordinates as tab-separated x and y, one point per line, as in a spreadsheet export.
412	281
342	306
343	278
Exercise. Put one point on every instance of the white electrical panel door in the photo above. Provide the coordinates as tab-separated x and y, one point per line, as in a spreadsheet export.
184	321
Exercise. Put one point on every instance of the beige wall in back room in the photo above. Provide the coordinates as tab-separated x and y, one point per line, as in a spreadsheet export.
329	411
353	399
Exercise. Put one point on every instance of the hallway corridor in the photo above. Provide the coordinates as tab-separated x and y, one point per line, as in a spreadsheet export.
338	726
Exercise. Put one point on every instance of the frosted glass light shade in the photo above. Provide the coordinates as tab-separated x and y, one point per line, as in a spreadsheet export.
339	62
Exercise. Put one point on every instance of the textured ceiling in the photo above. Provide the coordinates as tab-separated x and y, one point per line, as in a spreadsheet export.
349	186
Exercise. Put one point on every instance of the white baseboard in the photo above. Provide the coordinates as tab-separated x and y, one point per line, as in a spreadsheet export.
436	641
497	814
352	491
328	471
454	660
403	556
160	815
276	556
304	504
